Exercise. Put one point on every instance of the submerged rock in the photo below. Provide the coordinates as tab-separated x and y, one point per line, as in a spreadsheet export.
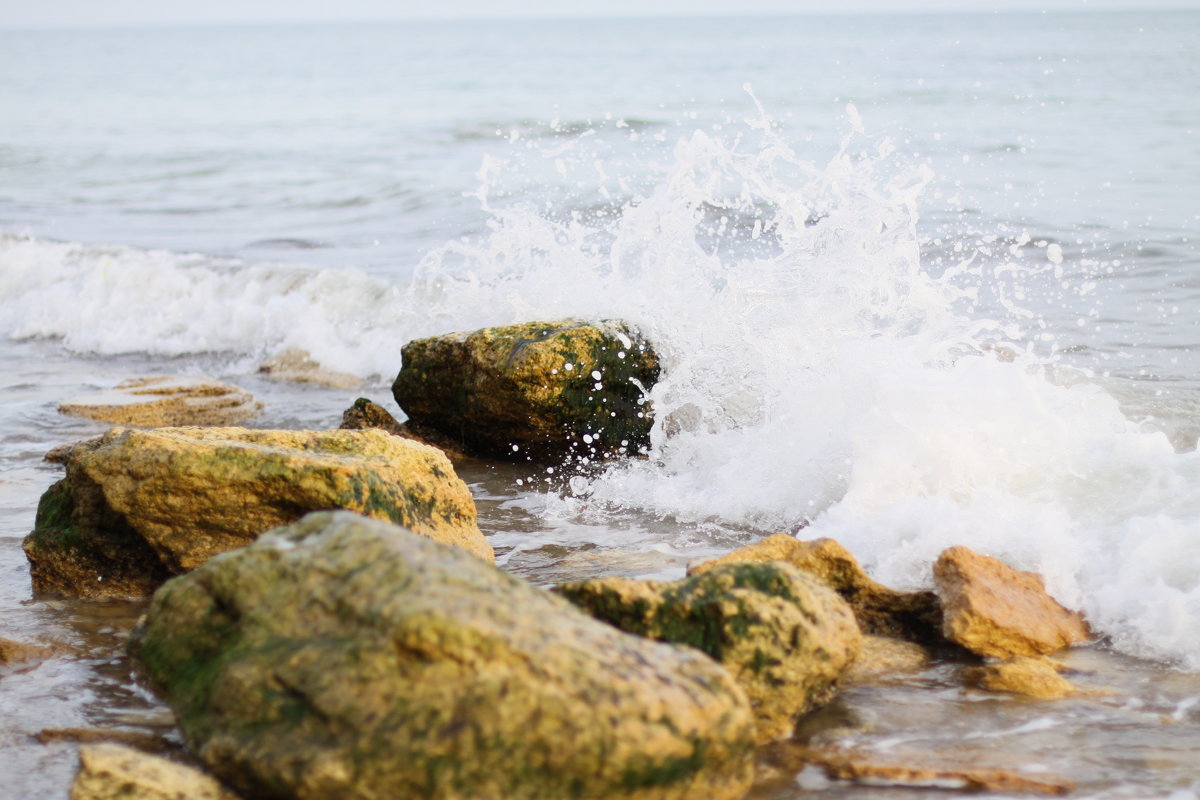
342	657
540	390
12	652
1032	676
138	506
881	611
785	637
916	770
112	771
165	400
994	610
883	658
297	366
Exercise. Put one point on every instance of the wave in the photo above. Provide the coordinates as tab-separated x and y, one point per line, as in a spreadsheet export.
833	382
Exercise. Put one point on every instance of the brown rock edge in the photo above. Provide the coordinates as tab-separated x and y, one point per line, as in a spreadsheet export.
994	610
857	767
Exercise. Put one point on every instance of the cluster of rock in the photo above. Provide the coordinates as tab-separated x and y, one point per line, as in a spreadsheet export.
328	622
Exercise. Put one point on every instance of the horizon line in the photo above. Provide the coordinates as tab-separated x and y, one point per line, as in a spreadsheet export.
566	16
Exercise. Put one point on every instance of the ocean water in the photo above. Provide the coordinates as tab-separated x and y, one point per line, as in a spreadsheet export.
916	280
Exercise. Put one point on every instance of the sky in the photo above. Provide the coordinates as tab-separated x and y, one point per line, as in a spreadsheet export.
120	13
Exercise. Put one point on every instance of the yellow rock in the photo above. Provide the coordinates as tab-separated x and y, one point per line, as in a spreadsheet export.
884	657
880	611
138	506
165	401
111	771
784	636
342	657
997	611
1033	676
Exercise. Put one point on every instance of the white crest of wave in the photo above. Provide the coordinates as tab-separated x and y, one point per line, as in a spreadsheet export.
817	376
829	384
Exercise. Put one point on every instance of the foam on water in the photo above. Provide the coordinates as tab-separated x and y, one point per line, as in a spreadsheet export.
817	374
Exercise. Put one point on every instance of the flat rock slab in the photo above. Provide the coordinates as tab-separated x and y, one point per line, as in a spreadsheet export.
881	611
342	657
1031	676
138	506
112	771
165	400
997	611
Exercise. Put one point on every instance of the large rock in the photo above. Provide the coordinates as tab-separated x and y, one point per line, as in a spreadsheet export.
540	390
881	611
138	506
166	400
785	637
346	658
994	610
116	772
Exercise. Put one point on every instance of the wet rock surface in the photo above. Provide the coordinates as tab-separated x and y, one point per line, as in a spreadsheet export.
165	400
784	636
345	657
880	611
539	390
882	658
1031	676
138	506
117	772
13	652
994	610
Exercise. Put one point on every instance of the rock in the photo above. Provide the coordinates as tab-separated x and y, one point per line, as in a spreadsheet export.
541	390
16	652
297	366
883	657
342	657
138	506
1033	676
365	414
112	771
784	636
881	611
997	611
139	740
165	400
910	771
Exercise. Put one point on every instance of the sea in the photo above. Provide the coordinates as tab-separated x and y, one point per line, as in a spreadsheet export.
915	280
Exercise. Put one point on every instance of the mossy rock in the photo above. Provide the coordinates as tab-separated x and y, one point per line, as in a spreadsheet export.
540	390
138	506
345	657
783	635
881	611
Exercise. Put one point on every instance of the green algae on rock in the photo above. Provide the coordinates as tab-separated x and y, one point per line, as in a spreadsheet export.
138	506
784	636
539	390
881	611
345	657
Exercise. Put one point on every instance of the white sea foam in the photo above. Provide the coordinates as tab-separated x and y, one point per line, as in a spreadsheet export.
817	373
